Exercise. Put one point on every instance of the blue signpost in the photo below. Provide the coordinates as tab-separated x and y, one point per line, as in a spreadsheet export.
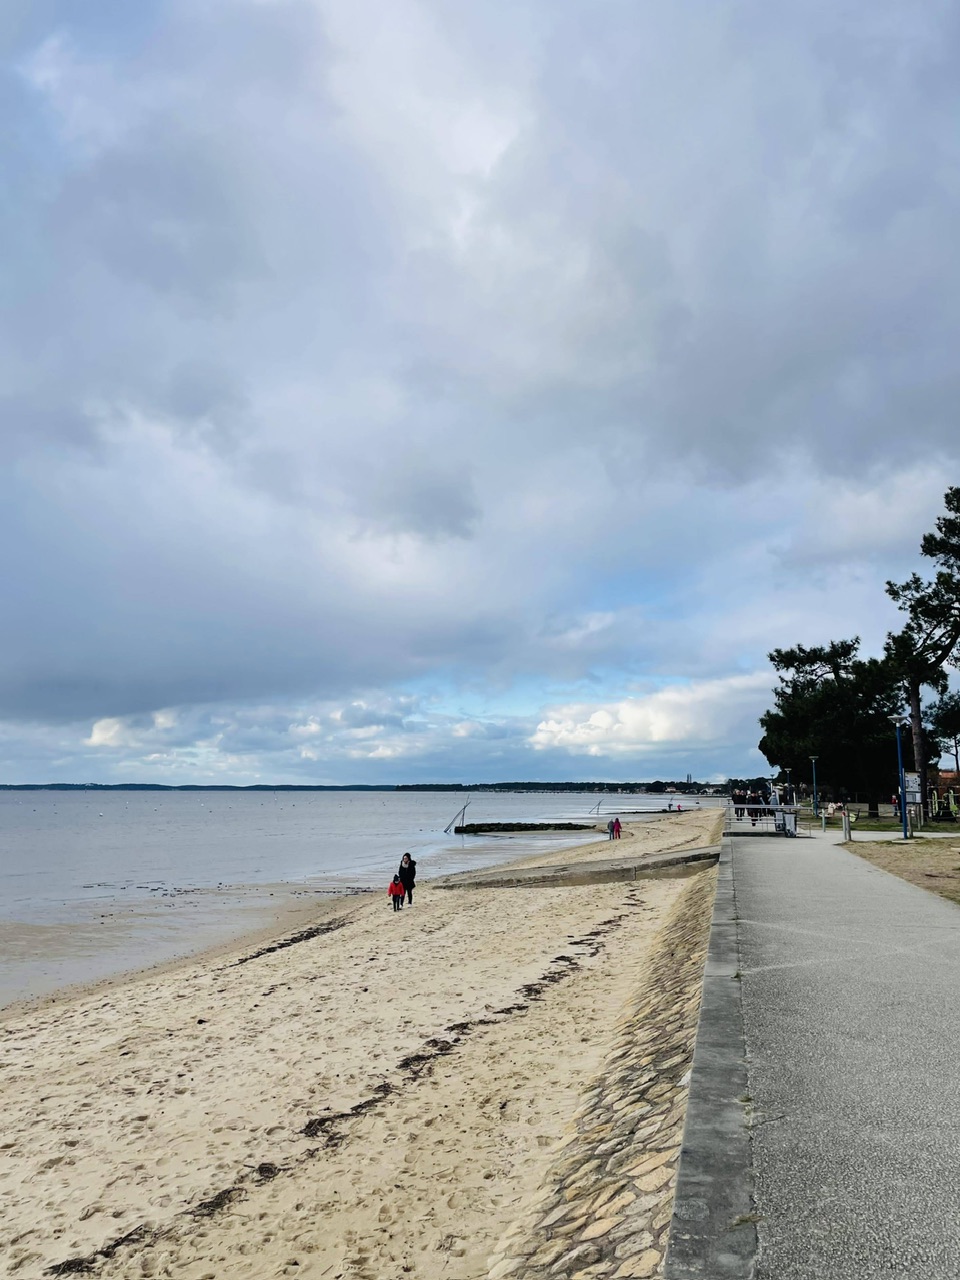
898	721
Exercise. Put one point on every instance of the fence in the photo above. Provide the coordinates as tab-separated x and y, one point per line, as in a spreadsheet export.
766	820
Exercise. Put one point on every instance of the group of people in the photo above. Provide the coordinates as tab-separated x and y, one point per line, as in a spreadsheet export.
748	804
401	886
613	829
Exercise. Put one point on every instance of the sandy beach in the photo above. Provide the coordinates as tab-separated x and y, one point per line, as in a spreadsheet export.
376	1095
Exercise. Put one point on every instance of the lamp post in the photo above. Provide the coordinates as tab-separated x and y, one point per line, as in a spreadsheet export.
898	721
816	803
789	792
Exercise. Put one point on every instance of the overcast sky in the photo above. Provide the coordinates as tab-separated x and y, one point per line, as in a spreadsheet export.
397	390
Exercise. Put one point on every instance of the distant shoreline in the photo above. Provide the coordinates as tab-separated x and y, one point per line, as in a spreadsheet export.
186	786
548	788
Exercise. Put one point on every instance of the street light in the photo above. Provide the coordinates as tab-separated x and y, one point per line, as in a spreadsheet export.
897	722
789	792
816	805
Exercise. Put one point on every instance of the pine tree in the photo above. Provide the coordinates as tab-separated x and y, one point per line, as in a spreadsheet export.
930	640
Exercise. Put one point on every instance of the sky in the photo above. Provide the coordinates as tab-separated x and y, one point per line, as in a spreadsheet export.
413	391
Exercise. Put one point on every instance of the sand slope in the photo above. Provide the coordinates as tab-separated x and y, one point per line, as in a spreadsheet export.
207	1111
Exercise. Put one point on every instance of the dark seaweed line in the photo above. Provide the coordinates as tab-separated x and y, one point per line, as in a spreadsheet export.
420	1064
78	1266
413	1067
305	935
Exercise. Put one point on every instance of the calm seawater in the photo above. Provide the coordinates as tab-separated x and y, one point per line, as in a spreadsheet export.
96	883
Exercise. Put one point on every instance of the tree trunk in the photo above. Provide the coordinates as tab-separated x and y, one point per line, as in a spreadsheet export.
919	745
873	810
956	753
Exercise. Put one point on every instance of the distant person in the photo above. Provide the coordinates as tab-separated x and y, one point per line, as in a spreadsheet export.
753	807
610	829
679	807
408	875
617	828
395	893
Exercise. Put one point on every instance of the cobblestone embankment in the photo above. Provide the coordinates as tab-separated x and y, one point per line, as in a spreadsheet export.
607	1207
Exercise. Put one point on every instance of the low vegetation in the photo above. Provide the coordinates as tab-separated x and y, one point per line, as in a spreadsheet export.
930	864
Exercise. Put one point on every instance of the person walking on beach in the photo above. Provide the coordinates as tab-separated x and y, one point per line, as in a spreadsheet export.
617	828
395	893
610	829
408	875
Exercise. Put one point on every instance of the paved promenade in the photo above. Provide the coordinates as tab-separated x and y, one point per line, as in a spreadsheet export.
851	1016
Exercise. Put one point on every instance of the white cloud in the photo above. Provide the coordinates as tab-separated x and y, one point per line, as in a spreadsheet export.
701	714
109	732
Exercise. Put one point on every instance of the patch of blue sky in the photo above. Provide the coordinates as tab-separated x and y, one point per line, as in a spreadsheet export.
658	588
525	698
112	27
35	146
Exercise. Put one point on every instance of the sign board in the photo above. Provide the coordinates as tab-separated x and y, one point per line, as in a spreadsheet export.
911	782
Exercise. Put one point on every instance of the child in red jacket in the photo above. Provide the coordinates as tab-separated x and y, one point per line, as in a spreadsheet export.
396	892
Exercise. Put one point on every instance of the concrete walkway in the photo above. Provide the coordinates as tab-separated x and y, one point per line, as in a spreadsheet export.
850	983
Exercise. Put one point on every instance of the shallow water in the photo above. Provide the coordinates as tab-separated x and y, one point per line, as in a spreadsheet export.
93	883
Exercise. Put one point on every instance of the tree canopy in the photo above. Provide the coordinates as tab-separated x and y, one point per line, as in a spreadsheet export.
944	720
835	705
930	639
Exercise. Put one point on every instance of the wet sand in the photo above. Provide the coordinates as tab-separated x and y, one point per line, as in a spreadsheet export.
43	960
105	940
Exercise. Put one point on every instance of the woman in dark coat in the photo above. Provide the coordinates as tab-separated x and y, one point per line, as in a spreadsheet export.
407	872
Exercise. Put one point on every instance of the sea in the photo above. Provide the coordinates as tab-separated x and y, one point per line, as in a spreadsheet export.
94	884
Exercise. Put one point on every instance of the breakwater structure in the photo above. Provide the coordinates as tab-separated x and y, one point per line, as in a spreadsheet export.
495	828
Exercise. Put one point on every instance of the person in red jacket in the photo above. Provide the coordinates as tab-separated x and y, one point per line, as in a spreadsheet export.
396	892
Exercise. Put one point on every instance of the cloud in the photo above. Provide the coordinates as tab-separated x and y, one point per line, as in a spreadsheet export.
520	358
709	713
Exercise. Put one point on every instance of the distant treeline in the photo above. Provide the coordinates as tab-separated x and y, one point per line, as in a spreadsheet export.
602	788
160	786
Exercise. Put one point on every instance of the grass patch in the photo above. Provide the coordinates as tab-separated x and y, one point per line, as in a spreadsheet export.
930	864
863	823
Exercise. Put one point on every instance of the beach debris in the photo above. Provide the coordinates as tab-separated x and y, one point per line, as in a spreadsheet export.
305	935
417	1065
89	1263
207	1208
